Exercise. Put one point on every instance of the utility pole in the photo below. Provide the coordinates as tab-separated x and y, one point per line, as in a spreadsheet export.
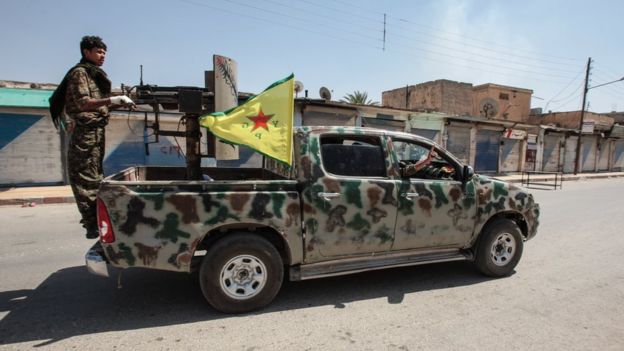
578	142
384	34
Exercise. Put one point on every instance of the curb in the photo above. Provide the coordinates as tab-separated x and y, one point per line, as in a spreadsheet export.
33	201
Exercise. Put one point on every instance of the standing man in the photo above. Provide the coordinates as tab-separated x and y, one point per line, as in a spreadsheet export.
84	94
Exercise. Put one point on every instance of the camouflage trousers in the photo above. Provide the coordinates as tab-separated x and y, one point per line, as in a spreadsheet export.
84	162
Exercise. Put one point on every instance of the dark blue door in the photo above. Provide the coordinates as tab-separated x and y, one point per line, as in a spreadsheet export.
486	159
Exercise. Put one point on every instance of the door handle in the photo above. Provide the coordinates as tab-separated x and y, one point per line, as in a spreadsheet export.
328	196
410	196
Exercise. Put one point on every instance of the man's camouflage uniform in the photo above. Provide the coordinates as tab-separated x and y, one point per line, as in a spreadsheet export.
86	144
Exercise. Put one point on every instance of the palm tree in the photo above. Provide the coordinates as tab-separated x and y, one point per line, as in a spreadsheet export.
359	98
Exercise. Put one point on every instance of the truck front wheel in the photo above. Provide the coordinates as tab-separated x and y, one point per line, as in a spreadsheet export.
240	273
500	248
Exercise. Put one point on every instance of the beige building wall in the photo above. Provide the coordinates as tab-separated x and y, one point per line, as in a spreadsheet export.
501	102
572	119
440	95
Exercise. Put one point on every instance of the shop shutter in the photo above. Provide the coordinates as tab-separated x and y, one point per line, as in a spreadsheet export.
486	159
588	153
552	149
618	156
427	133
510	155
603	157
458	143
382	123
569	157
315	118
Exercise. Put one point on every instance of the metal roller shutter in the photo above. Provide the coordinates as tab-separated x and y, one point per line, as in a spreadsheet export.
486	159
427	133
458	143
603	157
552	150
569	157
382	123
510	155
315	118
589	147
618	156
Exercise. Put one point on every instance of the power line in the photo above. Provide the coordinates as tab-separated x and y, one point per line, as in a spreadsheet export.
561	60
485	63
416	48
486	55
264	21
410	54
307	12
562	90
296	18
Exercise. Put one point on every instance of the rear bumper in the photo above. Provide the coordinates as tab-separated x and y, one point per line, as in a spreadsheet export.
96	262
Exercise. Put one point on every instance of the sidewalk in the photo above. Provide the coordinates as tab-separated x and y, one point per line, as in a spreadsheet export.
32	196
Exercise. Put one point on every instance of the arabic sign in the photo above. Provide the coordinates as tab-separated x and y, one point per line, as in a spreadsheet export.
511	133
588	127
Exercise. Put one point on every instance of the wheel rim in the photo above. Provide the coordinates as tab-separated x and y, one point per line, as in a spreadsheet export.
243	277
503	249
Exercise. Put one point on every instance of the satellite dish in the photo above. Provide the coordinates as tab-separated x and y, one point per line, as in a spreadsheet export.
325	93
298	87
488	108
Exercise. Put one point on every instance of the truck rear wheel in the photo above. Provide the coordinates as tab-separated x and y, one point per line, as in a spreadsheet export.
240	273
500	248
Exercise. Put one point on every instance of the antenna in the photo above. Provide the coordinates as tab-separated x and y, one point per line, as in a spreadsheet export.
298	87
325	93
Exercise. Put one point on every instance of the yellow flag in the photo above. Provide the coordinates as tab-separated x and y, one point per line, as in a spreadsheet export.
264	122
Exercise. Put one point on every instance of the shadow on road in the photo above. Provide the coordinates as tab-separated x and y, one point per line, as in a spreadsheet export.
72	302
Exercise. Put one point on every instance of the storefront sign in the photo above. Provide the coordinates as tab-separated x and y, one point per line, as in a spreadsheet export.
510	133
588	127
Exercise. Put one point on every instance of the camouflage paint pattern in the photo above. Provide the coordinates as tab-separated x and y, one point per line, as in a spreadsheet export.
160	224
162	227
85	154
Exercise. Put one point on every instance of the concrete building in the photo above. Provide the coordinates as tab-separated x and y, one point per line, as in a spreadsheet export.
442	95
602	146
501	102
33	152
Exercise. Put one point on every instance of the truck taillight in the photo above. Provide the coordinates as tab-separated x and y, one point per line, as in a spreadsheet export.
106	229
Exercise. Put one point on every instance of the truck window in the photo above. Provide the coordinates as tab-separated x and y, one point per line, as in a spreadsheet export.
354	156
411	153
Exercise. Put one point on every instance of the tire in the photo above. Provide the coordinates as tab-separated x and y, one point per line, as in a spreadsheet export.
240	273
499	249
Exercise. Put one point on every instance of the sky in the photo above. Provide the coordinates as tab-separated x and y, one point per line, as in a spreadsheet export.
542	45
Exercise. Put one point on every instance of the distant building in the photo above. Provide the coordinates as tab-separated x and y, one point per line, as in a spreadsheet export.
442	95
492	101
501	102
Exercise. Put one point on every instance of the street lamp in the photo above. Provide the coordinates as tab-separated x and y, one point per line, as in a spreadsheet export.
578	142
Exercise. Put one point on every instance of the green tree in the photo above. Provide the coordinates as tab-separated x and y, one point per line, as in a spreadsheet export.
359	98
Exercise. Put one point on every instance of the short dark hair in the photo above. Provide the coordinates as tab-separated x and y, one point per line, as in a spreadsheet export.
89	42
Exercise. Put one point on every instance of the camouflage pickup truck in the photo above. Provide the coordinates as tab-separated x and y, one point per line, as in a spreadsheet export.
347	205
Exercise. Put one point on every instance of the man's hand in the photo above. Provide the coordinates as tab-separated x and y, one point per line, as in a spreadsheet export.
121	100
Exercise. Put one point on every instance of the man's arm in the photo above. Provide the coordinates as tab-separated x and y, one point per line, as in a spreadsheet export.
415	167
79	90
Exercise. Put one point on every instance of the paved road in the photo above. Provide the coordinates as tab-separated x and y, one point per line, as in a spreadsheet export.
567	293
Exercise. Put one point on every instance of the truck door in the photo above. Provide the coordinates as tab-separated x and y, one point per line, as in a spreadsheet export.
434	210
350	202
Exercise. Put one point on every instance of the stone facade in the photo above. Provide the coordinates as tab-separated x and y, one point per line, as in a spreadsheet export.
572	119
441	95
501	102
487	100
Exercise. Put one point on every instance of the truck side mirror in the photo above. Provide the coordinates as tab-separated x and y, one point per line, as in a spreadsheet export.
467	174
